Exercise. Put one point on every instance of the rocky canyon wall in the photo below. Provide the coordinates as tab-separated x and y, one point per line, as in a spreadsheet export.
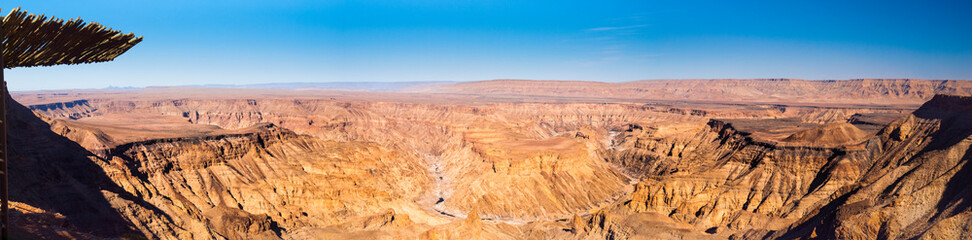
241	167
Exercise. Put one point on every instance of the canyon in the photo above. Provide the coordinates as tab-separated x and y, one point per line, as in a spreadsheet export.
500	159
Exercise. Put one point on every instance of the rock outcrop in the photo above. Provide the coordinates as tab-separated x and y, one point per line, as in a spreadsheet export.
831	134
284	167
916	188
909	180
721	179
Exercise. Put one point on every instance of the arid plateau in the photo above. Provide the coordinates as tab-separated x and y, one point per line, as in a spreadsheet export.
499	159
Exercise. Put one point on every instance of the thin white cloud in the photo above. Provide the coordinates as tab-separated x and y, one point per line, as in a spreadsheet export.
616	28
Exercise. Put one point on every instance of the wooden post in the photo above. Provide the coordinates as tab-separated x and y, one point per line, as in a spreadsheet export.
4	189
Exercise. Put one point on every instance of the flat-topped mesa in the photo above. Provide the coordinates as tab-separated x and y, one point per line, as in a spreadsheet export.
945	104
916	185
909	92
260	131
76	109
724	126
727	130
690	176
792	132
830	134
57	105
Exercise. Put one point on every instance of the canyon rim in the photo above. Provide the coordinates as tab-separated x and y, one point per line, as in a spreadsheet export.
502	159
486	119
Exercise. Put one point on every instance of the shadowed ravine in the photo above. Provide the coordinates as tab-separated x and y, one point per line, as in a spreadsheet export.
63	177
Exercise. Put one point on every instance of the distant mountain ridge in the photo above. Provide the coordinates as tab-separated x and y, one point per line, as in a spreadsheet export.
365	86
871	91
768	90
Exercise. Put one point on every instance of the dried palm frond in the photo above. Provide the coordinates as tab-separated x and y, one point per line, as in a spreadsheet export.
30	40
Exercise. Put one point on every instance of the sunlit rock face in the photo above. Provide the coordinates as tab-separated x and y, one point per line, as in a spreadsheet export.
541	162
721	178
916	188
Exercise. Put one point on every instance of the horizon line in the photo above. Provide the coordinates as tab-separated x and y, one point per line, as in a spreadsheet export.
268	85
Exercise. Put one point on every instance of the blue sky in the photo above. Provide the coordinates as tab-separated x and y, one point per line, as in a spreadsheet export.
243	42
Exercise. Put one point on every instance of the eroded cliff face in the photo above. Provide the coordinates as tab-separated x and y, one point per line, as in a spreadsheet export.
266	183
269	168
917	187
718	178
56	175
908	180
518	163
399	166
263	183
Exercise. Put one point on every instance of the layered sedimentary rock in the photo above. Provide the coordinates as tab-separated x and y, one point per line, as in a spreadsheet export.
390	167
248	185
917	186
719	178
266	181
876	91
906	181
269	180
547	154
831	134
